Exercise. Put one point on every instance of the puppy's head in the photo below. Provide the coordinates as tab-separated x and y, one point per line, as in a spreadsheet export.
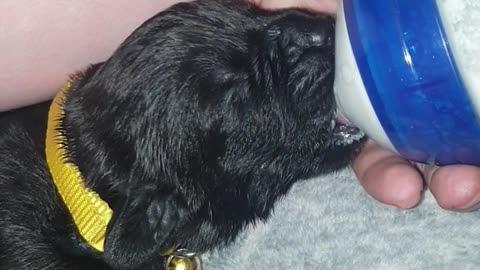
201	119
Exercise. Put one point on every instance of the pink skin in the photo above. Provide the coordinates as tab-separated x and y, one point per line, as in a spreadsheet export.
42	42
47	40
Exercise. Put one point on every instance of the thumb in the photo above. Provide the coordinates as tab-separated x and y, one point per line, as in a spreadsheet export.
455	187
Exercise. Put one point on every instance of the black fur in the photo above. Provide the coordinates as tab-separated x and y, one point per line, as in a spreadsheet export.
199	122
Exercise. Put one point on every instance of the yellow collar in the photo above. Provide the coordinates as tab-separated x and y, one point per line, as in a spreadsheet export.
90	213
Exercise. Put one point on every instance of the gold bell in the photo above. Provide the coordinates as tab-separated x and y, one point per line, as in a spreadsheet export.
183	260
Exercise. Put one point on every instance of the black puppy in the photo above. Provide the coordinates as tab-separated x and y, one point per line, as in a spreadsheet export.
202	119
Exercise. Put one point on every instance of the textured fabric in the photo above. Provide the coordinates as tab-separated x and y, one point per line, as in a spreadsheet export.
331	223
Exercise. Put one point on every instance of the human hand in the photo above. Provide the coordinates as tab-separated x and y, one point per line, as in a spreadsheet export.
327	6
393	180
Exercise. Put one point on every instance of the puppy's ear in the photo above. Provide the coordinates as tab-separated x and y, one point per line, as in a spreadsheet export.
137	233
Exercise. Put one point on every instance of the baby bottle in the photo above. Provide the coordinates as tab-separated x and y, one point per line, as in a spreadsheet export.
408	75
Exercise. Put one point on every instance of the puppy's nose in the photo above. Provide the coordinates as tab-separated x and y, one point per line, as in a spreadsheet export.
323	34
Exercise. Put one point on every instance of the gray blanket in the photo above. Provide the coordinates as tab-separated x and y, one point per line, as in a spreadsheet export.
331	223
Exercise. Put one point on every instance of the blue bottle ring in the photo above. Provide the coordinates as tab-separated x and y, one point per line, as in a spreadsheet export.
411	79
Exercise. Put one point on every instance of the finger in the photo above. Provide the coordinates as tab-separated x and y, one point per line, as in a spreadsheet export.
327	6
455	187
387	177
